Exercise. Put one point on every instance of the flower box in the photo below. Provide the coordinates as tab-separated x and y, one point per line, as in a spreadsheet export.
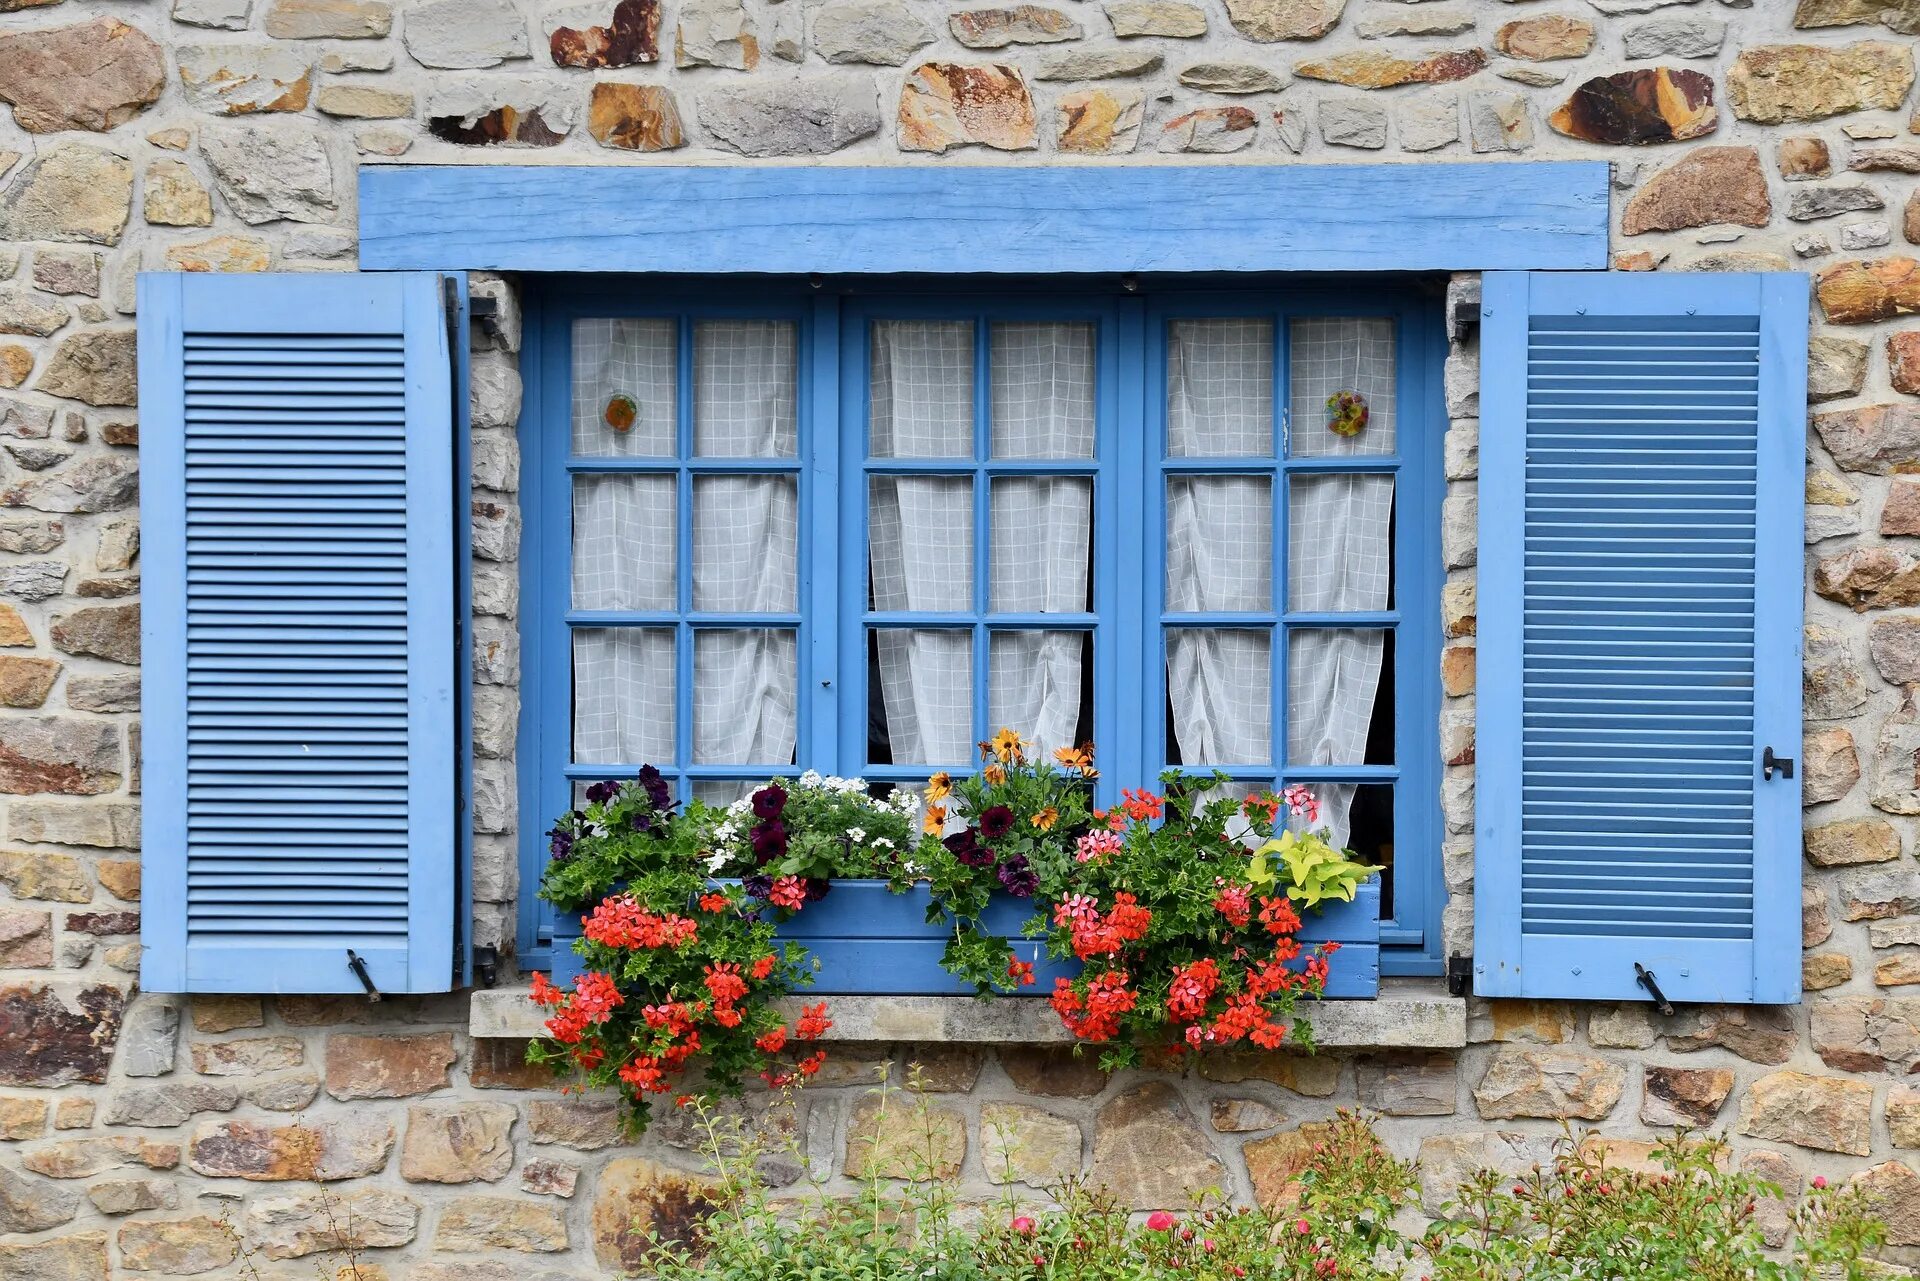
870	941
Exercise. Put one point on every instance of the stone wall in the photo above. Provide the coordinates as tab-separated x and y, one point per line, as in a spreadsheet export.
143	1133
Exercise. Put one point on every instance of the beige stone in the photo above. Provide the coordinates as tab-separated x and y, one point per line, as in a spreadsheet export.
79	1257
94	365
172	196
1824	970
32	875
221	253
1903	1116
1275	1164
22	1117
487	1223
1447	1162
1269	20
329	19
84	1158
26	940
177	1246
1892	1193
295	1227
94	75
1408	1083
241	79
1898	969
1022	1144
1773	84
1803	157
1169	18
214	1013
72	192
323	1151
890	1138
948	104
544	1177
1098	122
587	1123
1757	1033
1530	1022
458	1143
1015	24
364	102
26	682
246	1057
1149	1153
1552	1084
1314	1075
1827	1113
639	1206
1241	1116
1054	1073
1545	38
1365	69
16	364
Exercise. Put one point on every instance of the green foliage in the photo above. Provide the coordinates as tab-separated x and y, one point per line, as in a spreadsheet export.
834	827
1315	871
1578	1220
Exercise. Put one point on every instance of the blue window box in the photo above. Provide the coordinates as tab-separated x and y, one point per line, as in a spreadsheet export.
870	941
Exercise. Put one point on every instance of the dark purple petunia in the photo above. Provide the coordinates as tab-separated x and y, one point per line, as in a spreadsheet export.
817	888
561	844
1018	877
642	821
966	847
757	886
769	841
769	801
602	792
659	791
996	823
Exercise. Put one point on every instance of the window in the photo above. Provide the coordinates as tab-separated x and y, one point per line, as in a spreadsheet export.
859	532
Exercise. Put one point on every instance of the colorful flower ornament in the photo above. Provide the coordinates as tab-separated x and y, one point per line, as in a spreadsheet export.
621	413
1347	413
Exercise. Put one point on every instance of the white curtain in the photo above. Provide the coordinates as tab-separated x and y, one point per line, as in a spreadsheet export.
1339	547
745	542
1220	539
922	534
1220	545
1043	407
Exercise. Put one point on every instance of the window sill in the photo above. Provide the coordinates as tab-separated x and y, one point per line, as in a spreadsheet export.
1408	1014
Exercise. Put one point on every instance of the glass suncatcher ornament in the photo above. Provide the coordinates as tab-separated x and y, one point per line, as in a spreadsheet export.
1347	413
621	412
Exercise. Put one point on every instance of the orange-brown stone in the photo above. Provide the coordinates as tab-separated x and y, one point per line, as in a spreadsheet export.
631	37
951	104
1367	70
1707	185
634	118
1859	292
1545	39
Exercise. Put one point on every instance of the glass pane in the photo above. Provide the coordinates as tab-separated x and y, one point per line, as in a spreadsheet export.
1042	381
743	389
1041	543
1219	543
1359	817
1041	685
746	543
922	386
1333	682
920	697
623	541
1342	385
721	793
1339	542
1220	388
744	695
623	388
1220	687
622	695
920	542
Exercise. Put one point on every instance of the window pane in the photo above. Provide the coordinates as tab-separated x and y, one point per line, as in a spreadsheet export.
1359	817
622	695
744	688
922	385
1341	358
1219	543
1220	686
1220	388
920	541
1339	548
921	697
746	532
743	389
1043	398
1041	544
623	541
1040	684
623	388
1333	680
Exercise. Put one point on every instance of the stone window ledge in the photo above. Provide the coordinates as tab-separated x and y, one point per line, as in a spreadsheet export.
1410	1014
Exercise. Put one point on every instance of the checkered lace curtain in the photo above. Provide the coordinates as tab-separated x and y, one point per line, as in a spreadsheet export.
745	542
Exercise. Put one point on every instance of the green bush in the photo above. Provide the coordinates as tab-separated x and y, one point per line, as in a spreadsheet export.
1576	1219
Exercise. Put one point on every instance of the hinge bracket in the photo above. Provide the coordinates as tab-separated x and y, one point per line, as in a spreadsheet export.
1460	976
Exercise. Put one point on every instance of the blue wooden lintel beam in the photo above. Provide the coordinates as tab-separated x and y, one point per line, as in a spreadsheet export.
985	219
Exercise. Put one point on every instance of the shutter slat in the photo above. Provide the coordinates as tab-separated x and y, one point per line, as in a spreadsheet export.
301	729
1638	611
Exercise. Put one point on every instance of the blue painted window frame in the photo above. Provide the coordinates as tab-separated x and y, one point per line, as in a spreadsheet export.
1128	471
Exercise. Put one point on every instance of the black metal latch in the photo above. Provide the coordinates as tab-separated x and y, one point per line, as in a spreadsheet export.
1769	763
1644	977
359	968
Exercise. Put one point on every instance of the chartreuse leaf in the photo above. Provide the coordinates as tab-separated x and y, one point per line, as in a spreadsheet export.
1314	870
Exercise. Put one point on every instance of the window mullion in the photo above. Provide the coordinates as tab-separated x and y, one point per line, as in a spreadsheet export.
1129	451
821	440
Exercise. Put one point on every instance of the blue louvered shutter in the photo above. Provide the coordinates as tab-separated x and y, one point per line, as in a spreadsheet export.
301	693
1639	615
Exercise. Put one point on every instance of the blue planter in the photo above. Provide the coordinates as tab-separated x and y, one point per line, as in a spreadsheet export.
872	942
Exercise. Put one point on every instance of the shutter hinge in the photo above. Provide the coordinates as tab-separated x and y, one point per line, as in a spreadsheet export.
486	966
1769	763
1460	976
